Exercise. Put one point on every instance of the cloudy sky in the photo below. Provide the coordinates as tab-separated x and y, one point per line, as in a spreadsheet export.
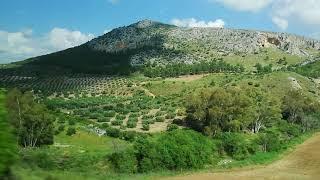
34	27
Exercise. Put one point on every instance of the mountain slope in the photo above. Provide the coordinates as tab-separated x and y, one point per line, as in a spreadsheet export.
149	42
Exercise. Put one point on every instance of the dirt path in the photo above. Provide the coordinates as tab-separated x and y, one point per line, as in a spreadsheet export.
302	163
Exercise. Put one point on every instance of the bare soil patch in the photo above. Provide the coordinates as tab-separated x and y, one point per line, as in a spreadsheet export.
187	78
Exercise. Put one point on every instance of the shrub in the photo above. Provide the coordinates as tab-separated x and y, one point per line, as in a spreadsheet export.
174	150
131	124
160	119
105	119
234	145
269	141
113	132
109	114
117	123
120	117
71	131
145	127
104	125
123	162
72	122
172	127
170	116
61	128
129	135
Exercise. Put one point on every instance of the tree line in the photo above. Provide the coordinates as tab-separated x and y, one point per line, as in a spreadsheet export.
177	69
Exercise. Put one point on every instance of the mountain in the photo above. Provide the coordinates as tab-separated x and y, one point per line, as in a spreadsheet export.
149	42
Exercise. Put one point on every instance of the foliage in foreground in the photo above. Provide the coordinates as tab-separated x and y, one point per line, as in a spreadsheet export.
7	143
32	122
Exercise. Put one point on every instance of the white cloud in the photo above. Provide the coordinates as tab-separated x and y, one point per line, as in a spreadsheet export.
64	38
282	12
298	11
245	5
281	23
22	45
192	22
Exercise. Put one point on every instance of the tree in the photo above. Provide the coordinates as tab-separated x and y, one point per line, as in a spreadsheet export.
269	141
218	110
296	106
266	109
8	148
32	121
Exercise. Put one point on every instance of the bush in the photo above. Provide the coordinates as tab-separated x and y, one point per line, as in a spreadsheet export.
129	135
117	123
146	127
270	141
235	145
123	162
104	119
131	124
72	122
160	119
71	131
113	132
120	117
170	116
174	150
61	128
172	127
109	114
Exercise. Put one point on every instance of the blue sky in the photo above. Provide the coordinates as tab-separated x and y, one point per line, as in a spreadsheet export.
33	27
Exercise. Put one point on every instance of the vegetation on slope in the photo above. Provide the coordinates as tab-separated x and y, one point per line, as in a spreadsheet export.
310	70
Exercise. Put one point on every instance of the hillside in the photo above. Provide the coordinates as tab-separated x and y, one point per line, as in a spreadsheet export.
140	101
149	42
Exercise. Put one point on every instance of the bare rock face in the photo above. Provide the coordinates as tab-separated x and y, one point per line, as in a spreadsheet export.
155	41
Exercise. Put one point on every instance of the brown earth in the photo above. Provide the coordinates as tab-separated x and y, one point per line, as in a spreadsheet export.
302	163
187	78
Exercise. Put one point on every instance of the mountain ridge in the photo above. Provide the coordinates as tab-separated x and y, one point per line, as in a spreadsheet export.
152	42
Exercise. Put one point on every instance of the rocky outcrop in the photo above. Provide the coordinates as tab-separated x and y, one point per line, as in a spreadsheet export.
170	43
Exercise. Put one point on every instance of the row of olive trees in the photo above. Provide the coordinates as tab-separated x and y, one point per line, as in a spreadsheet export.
177	69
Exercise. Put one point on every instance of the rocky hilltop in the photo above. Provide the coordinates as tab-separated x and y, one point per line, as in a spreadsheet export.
170	43
154	43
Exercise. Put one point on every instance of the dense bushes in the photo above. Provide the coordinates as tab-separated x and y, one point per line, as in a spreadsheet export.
236	145
309	70
124	162
175	150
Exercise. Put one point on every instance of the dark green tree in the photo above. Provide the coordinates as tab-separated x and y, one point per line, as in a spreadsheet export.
32	121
